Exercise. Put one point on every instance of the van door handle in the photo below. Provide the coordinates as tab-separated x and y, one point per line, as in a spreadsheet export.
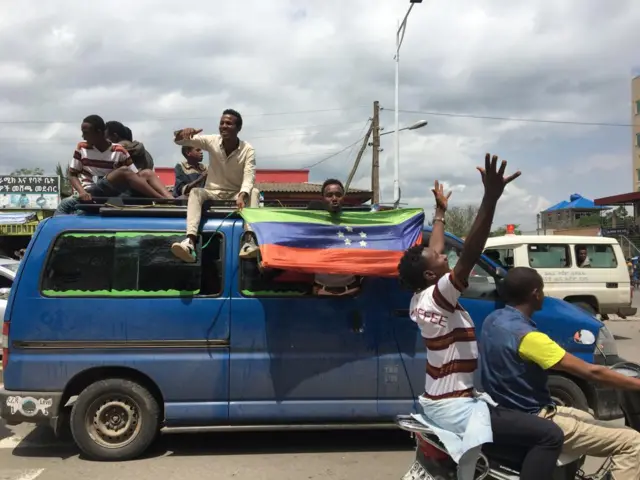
401	312
612	285
357	325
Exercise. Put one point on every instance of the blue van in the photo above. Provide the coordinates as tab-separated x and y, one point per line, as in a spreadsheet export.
107	333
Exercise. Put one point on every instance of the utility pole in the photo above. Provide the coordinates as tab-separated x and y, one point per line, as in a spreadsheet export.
375	165
363	147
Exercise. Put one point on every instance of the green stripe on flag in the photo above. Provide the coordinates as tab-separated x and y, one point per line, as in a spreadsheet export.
356	219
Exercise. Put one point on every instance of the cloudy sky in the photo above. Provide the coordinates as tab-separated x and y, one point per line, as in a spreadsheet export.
304	75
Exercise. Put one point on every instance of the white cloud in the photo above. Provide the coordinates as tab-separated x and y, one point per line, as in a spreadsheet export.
157	67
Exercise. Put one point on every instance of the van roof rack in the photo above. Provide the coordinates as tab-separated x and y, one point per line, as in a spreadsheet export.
173	208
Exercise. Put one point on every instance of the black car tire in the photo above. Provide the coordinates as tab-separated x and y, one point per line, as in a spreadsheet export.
586	307
567	393
108	407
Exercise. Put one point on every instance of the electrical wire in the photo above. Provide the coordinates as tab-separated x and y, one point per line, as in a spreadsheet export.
168	119
45	141
514	119
333	154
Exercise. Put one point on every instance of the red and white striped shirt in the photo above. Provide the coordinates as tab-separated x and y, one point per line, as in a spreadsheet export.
449	335
89	162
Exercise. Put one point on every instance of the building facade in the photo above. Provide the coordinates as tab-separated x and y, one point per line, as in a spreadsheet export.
635	120
567	214
281	187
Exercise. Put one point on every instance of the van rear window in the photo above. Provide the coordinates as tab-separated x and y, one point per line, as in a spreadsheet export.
595	256
549	255
118	264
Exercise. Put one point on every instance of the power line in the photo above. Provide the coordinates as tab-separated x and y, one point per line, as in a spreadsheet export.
514	119
171	119
46	141
333	155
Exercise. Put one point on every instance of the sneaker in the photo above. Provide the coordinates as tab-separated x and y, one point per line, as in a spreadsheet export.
249	249
184	251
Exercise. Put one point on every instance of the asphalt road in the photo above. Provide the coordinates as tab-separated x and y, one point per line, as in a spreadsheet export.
27	453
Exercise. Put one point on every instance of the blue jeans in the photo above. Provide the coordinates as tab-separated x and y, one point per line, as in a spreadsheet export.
102	188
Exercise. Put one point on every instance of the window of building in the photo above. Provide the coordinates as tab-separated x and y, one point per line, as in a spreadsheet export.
131	264
638	174
597	256
637	107
549	256
637	139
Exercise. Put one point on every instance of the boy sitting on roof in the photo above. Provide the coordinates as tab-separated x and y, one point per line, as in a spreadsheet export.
189	174
100	168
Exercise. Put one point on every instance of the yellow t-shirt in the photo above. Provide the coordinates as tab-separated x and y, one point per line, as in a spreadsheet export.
541	350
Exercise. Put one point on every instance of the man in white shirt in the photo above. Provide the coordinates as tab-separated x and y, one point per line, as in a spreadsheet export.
231	176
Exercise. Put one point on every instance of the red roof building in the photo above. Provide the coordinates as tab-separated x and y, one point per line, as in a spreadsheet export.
290	188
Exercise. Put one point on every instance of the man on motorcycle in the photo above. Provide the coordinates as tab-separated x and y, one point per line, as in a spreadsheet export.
449	401
514	362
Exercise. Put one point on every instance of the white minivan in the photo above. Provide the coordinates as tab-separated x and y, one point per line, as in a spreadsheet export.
590	272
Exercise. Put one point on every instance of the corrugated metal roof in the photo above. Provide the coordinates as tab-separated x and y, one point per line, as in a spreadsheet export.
295	187
577	202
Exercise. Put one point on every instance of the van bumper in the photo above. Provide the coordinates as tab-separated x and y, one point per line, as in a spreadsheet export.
29	407
604	400
623	311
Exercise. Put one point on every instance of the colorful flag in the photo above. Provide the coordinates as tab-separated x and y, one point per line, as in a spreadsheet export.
349	243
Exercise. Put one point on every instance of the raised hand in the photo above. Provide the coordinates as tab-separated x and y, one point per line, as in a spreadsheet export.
186	133
442	200
493	178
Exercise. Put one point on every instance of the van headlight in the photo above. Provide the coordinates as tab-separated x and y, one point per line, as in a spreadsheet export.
606	342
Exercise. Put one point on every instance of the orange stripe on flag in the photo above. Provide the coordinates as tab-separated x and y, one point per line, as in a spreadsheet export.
347	261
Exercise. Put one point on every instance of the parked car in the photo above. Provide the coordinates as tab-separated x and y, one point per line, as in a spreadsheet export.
107	332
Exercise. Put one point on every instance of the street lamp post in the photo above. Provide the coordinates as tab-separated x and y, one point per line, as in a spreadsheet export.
415	126
399	37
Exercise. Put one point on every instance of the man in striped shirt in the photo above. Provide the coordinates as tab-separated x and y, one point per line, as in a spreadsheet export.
100	168
449	400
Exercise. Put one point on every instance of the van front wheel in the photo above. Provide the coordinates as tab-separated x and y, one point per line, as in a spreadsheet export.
114	420
566	393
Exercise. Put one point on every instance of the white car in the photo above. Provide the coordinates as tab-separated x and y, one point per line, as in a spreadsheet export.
8	269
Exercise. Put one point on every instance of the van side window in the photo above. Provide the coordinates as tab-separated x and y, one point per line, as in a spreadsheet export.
503	256
482	283
595	256
549	255
258	282
130	264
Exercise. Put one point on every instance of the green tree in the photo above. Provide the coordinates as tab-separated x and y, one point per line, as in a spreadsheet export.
65	184
596	219
460	219
499	232
28	171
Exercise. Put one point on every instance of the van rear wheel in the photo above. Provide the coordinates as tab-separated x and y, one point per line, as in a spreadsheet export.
586	307
115	420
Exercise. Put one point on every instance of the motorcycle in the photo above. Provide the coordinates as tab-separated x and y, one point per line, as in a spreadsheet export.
433	462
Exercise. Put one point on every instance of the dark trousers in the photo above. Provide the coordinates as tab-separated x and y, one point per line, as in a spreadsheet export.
540	436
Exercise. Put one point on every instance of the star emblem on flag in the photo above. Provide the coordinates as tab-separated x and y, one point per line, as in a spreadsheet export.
344	235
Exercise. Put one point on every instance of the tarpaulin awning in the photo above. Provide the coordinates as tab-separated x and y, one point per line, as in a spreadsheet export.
17	218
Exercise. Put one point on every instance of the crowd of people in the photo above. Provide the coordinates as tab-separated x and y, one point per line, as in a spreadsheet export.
515	357
109	163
